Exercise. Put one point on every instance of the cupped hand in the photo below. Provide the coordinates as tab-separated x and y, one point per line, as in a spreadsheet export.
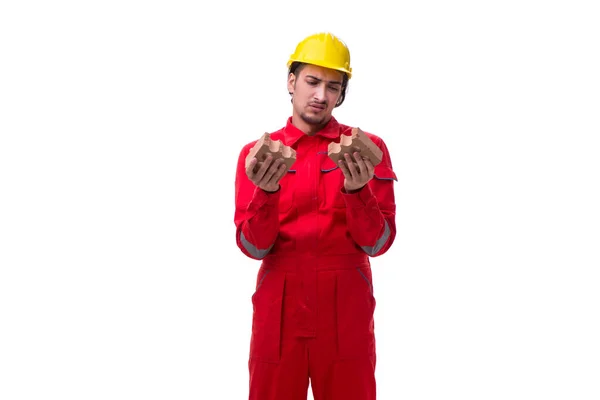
267	174
357	170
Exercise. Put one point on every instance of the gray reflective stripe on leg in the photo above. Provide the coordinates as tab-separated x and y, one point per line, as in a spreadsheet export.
366	279
254	252
370	250
262	279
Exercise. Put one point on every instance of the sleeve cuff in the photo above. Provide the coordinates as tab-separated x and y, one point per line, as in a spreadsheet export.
261	198
360	198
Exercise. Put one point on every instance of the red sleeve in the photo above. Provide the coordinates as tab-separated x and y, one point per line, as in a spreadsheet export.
256	213
371	211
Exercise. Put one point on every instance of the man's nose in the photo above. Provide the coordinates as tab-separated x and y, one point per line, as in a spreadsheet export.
320	93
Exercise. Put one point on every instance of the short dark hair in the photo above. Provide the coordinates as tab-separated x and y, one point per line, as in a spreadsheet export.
296	67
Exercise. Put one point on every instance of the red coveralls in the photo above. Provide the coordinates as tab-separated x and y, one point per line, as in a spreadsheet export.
313	304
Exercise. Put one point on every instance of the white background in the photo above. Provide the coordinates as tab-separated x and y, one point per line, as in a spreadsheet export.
121	123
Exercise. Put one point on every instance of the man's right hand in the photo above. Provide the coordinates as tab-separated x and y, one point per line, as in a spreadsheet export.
268	175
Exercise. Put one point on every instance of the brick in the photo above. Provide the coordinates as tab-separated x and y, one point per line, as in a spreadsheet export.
348	144
277	149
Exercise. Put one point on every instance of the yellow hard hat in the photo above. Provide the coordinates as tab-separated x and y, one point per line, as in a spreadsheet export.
323	49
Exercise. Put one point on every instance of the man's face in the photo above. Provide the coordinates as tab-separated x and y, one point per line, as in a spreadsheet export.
315	90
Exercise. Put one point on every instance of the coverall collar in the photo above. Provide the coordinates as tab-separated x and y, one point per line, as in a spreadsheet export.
293	134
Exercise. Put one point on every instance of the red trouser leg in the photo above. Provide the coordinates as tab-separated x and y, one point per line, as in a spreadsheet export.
342	356
284	380
278	362
343	380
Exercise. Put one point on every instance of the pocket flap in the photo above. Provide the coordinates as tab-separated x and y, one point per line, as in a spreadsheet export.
384	172
327	164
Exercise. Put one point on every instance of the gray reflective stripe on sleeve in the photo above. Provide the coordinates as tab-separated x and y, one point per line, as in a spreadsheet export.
258	253
370	250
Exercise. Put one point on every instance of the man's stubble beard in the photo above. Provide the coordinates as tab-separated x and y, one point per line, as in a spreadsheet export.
315	121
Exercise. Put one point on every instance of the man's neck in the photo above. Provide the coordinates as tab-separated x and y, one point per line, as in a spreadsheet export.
308	129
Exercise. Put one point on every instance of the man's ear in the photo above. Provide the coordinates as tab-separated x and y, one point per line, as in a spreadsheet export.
291	83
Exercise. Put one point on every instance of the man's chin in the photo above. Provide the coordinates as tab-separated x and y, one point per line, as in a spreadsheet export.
313	119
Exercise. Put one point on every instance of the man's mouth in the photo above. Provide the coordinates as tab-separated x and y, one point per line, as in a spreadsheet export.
317	106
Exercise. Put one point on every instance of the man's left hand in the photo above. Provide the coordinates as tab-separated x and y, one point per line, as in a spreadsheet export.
357	170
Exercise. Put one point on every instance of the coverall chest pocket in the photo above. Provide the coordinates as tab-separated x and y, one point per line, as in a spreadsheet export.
384	173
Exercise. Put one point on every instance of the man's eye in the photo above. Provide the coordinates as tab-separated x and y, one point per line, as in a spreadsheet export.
334	88
312	83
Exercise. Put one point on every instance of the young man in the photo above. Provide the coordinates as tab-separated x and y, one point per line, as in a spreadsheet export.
314	227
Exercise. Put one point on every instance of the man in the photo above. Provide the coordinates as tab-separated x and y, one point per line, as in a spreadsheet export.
314	227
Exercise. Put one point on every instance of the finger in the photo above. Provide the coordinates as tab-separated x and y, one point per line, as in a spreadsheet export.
362	168
370	167
264	168
250	168
271	171
344	169
351	165
280	173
